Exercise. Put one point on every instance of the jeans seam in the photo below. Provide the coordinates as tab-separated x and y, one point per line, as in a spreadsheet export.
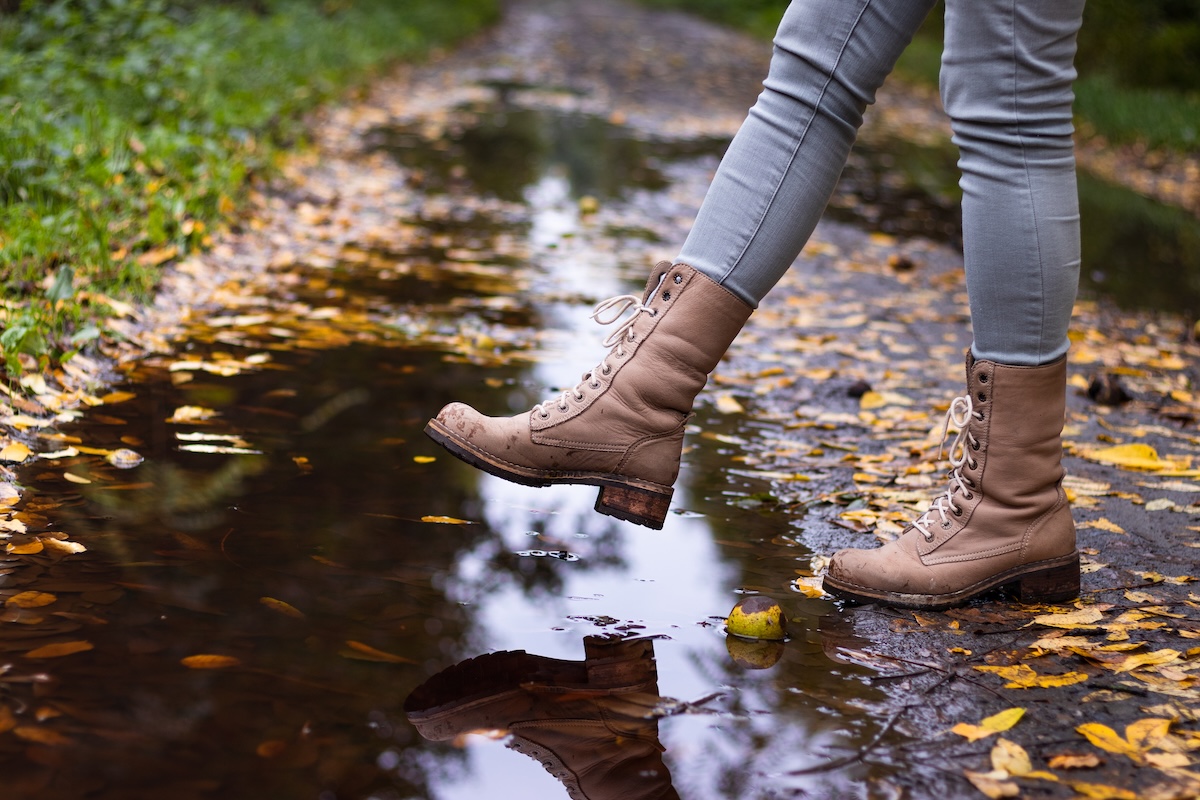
758	225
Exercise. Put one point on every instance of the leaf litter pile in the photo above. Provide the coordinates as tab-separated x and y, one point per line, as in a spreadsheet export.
824	421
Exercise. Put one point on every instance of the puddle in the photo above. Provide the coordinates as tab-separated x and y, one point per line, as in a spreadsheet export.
260	615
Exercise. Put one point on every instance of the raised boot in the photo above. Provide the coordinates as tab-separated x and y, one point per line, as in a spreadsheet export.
1003	519
621	428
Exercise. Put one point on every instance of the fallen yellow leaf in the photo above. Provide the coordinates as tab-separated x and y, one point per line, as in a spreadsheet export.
15	451
73	478
27	549
1082	618
1069	761
446	520
728	404
990	725
424	459
1011	758
1021	676
59	649
30	600
1154	658
1133	456
1097	791
208	661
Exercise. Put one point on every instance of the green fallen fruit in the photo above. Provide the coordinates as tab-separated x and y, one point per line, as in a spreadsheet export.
757	617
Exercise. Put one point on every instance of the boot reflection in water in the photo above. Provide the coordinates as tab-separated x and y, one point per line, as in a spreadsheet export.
591	724
1006	82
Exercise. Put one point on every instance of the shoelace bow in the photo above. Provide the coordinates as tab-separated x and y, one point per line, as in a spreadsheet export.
606	312
959	415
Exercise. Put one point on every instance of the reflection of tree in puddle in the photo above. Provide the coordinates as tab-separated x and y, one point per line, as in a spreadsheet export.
182	499
592	724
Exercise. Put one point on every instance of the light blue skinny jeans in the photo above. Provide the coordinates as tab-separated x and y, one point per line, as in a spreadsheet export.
1007	72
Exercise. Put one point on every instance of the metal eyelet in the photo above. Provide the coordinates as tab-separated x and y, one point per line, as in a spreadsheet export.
678	279
544	415
605	370
972	466
945	525
982	397
983	377
975	445
563	407
578	396
929	537
666	297
594	384
956	511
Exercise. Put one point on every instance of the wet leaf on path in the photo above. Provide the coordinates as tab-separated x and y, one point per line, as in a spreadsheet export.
1021	676
1137	456
994	724
1098	791
1140	736
59	649
994	784
210	661
186	414
446	520
1071	761
1082	618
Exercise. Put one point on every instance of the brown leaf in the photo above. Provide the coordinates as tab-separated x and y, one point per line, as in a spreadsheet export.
286	609
31	599
59	649
40	735
1071	761
993	784
209	661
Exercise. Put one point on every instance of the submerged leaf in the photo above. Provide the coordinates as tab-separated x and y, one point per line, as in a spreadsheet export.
209	661
365	652
59	649
31	599
286	609
445	520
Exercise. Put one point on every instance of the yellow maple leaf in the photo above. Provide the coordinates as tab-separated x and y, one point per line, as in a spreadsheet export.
1021	676
1153	658
1134	456
1083	618
990	725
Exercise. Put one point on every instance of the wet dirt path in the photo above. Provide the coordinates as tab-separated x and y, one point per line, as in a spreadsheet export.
261	596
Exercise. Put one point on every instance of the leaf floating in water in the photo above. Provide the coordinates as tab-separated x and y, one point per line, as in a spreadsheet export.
219	449
209	661
283	608
59	649
185	414
112	398
15	452
446	520
31	599
73	478
365	652
69	452
63	546
124	458
424	459
728	404
26	549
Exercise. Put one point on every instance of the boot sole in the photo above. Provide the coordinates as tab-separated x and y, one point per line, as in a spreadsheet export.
640	502
1054	580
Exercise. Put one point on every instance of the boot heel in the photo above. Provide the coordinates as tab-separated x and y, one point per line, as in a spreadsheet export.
1052	585
640	506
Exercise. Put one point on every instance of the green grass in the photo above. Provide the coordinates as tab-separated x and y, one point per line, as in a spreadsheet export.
131	127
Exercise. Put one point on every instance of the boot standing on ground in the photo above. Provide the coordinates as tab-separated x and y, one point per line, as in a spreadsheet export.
1007	73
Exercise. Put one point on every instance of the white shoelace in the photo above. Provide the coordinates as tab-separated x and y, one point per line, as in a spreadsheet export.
606	312
959	415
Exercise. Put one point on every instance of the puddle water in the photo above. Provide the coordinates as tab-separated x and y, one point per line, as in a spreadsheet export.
267	590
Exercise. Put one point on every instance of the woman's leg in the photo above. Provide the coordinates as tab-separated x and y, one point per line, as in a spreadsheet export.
773	183
1003	519
1007	72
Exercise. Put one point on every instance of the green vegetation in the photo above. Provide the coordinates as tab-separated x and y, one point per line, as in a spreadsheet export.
132	128
1139	63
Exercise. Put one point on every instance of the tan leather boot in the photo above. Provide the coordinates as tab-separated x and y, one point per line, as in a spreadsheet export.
1004	518
621	428
593	725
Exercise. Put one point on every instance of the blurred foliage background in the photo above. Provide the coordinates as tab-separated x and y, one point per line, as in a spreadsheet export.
131	128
